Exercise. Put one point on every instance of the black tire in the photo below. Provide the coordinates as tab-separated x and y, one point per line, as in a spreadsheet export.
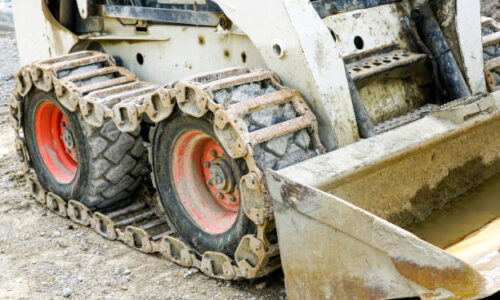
165	135
110	162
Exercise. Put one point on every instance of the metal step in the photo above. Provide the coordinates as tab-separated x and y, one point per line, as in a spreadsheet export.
405	119
383	62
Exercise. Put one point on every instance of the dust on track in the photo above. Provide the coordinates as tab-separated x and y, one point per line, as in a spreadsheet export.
43	256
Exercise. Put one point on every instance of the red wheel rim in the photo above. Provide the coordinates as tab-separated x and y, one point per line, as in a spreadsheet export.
49	128
194	156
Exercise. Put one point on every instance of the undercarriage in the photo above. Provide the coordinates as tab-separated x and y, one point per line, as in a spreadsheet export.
327	130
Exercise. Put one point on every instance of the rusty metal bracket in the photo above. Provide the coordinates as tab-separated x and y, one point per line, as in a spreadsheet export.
104	226
176	251
79	213
36	189
159	105
56	204
250	256
139	239
23	82
251	193
491	66
15	110
493	38
218	265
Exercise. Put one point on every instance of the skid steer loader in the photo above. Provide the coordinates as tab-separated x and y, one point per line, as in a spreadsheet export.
323	136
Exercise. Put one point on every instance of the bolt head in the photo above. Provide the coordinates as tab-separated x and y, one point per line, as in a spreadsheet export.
220	196
416	14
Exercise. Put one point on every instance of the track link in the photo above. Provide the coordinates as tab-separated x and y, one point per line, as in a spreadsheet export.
270	128
491	52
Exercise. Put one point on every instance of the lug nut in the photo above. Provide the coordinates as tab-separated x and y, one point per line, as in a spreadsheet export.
217	180
206	165
209	182
232	199
220	196
213	153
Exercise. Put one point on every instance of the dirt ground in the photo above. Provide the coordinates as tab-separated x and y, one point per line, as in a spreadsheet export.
45	256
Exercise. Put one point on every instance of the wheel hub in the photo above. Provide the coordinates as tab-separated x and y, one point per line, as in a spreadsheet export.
67	139
221	176
205	181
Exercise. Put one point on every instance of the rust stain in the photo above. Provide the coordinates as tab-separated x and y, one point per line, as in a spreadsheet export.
201	40
295	195
463	282
489	67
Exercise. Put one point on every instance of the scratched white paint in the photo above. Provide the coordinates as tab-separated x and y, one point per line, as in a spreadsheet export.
30	31
35	25
468	25
83	8
379	27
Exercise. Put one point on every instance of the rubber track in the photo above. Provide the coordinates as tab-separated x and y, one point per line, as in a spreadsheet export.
261	118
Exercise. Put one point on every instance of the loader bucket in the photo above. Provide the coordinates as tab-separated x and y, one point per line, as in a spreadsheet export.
389	216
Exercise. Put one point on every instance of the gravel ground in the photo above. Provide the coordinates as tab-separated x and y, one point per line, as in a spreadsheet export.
45	256
9	64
